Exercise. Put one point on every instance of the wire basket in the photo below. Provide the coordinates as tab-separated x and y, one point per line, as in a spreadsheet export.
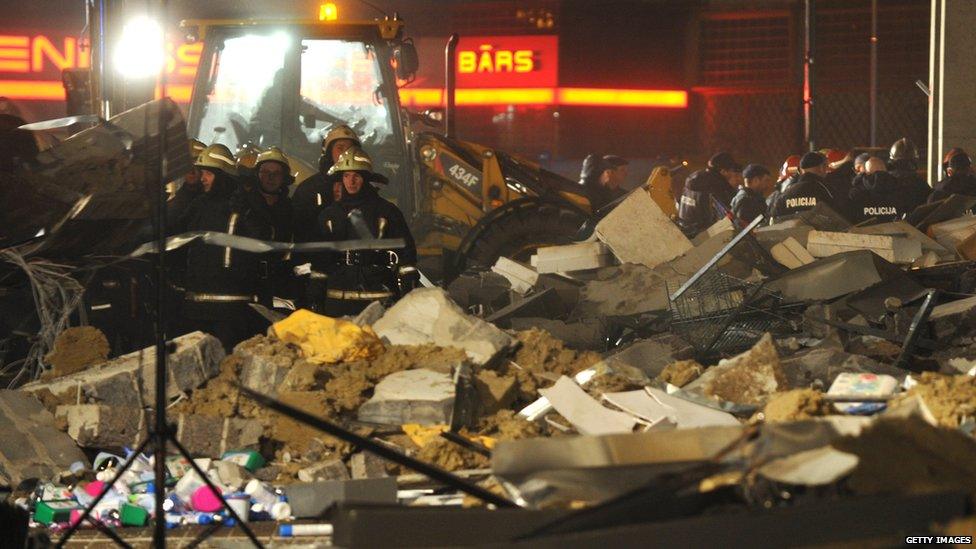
720	314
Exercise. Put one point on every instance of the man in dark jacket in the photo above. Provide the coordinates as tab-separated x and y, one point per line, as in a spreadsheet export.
221	282
874	194
903	165
318	192
602	178
750	202
716	182
808	191
269	202
959	178
356	278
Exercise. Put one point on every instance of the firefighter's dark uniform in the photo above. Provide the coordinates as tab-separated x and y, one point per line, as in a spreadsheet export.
912	190
357	278
875	196
316	193
221	282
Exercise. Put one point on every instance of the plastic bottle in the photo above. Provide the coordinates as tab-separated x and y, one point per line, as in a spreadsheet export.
281	511
261	493
292	530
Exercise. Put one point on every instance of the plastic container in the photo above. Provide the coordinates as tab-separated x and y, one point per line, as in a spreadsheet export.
133	515
50	512
206	500
294	530
261	493
248	459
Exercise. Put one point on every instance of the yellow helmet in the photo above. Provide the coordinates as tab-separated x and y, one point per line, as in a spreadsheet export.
196	147
341	131
247	155
274	154
217	157
355	160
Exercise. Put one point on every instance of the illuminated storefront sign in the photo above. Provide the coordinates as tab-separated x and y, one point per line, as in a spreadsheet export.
508	62
491	71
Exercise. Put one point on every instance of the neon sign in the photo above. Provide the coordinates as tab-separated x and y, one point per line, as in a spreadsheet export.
488	60
508	62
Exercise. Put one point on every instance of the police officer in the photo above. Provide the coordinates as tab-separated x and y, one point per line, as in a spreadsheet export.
718	181
959	178
809	189
220	282
874	194
750	202
840	172
903	165
317	192
357	278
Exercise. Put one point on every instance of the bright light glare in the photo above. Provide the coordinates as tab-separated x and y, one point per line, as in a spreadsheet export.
139	53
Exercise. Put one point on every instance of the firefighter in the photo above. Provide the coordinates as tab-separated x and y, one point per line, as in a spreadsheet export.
959	178
317	192
247	155
221	282
874	194
903	165
750	201
189	189
268	200
696	212
356	278
809	189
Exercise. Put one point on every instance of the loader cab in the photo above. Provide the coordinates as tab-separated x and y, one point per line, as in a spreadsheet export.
287	84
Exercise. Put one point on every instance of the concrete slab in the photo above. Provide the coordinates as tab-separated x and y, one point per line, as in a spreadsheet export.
30	445
411	396
522	277
637	231
896	249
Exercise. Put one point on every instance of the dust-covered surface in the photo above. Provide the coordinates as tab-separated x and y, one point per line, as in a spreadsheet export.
909	456
748	378
542	353
796	405
681	373
951	399
75	349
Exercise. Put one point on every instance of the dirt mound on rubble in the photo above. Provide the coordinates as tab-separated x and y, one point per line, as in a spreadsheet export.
219	397
909	456
75	349
502	426
951	399
542	353
681	373
796	405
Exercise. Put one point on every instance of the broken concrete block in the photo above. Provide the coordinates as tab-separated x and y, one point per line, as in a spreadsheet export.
895	249
427	315
411	396
837	275
567	289
651	356
791	254
953	232
231	474
496	392
541	303
637	231
572	257
326	470
30	445
373	312
480	288
212	436
818	368
263	372
905	229
521	278
129	381
101	426
367	465
312	499
747	378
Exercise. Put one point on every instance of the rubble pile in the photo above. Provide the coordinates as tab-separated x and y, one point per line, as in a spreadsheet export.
817	357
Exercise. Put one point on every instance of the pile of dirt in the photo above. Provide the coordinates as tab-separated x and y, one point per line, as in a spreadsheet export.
681	373
218	397
909	456
951	399
74	350
502	426
796	405
542	353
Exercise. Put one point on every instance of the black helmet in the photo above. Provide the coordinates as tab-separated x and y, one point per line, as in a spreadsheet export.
903	149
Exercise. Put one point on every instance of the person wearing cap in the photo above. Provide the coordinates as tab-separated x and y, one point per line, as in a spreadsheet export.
750	201
809	189
873	195
903	165
717	182
959	178
603	178
354	279
220	281
318	192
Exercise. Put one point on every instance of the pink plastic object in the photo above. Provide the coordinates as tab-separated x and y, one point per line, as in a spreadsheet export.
206	500
94	488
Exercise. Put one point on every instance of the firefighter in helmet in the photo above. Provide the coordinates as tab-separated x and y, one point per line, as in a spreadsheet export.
317	192
356	278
